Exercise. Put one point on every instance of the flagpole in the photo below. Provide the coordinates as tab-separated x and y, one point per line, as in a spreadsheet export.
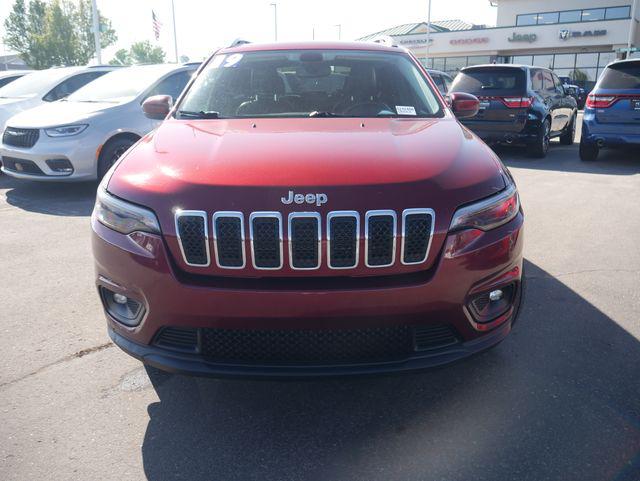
96	30
175	38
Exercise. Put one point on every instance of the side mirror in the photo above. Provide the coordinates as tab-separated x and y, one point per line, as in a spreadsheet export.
157	107
463	105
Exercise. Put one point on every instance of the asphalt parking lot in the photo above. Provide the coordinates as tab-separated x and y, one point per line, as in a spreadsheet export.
558	400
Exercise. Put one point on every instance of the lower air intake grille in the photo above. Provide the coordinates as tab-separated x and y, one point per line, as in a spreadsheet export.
22	166
229	236
381	231
307	346
417	235
266	233
191	227
434	337
179	338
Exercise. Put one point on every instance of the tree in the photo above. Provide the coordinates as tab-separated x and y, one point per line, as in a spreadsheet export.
144	52
121	57
55	33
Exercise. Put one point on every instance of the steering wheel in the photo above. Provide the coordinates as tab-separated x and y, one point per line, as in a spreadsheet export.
368	107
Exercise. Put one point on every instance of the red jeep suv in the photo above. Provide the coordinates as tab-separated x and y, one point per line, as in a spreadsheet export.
308	209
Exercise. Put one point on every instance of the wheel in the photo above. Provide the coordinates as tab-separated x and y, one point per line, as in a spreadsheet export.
588	151
112	152
540	146
569	133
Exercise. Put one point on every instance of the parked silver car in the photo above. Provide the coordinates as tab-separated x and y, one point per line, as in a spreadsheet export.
80	137
8	76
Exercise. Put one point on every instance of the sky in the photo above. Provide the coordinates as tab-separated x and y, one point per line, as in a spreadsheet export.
203	25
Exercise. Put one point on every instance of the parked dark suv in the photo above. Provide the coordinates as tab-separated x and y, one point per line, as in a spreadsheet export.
519	104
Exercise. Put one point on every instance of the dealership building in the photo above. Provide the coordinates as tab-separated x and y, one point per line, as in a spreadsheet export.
576	38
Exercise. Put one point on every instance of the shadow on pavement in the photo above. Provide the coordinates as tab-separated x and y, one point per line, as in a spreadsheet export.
559	399
565	158
53	198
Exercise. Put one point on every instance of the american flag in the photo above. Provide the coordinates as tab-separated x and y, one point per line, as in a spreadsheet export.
156	24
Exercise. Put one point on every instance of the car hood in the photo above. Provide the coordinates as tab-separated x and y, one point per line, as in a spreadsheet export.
251	165
59	113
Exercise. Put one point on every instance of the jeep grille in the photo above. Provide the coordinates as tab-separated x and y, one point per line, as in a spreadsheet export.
304	247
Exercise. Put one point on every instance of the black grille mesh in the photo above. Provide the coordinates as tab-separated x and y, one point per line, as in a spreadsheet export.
20	137
380	241
304	243
191	229
266	242
229	241
434	337
307	346
180	338
20	165
343	250
417	235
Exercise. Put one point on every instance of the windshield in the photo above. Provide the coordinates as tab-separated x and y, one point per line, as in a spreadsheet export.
119	86
305	83
621	76
36	83
490	81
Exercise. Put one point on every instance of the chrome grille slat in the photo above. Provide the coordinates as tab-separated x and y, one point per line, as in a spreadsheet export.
343	239
228	240
305	238
193	237
417	234
265	231
380	238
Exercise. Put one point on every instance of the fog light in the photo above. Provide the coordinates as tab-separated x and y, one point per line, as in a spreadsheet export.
493	295
122	308
488	305
120	299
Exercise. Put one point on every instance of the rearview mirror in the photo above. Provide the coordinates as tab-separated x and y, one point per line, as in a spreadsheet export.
157	107
463	105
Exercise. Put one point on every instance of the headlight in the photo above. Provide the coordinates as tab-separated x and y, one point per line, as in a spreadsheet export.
65	130
489	213
123	216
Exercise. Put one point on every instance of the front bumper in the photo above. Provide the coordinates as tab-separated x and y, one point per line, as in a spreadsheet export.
79	150
142	269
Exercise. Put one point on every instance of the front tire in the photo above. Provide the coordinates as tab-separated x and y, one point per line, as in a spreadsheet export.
588	151
540	146
569	135
111	152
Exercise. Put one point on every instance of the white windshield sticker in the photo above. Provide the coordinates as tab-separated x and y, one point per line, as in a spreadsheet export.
233	59
405	110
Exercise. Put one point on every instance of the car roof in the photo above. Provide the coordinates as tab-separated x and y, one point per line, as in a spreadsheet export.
502	65
625	61
256	47
438	72
11	73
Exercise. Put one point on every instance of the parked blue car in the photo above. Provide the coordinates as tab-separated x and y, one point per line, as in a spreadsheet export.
612	112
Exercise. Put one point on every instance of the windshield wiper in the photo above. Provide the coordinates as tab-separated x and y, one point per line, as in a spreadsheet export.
202	114
324	113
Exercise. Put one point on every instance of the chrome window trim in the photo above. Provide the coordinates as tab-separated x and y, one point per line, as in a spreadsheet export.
406	213
374	213
227	214
343	213
266	214
193	213
309	215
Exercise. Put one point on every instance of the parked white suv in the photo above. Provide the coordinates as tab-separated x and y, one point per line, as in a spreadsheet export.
80	137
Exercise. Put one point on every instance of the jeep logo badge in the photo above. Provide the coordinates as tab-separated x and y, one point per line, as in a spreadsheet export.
317	199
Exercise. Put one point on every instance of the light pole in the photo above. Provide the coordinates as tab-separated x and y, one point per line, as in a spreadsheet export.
96	30
632	24
175	38
339	31
428	32
313	32
275	20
